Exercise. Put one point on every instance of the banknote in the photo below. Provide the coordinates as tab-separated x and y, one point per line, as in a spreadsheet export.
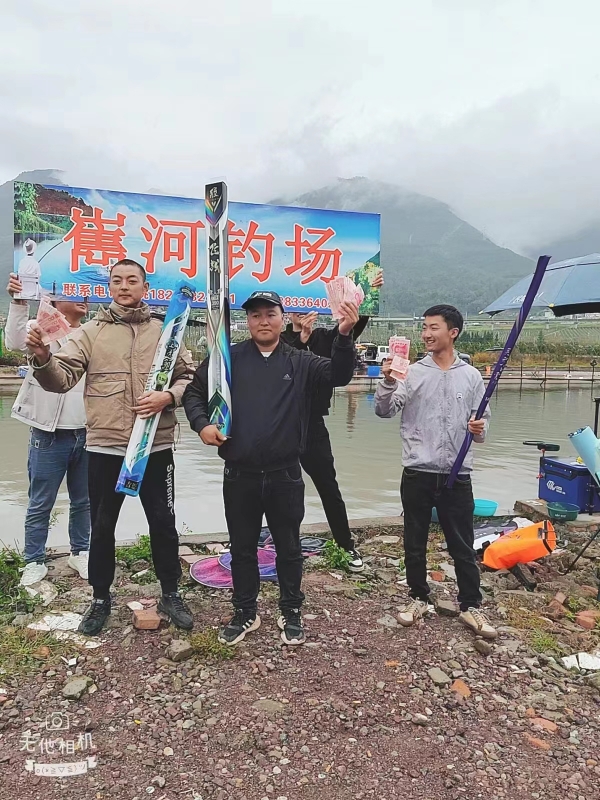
53	324
341	290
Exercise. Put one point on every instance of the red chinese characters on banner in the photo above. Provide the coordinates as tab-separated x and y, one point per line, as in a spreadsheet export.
95	239
241	243
173	243
320	258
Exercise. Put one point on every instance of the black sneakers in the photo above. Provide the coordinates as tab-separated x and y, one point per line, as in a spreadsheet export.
356	563
173	607
239	625
95	617
292	630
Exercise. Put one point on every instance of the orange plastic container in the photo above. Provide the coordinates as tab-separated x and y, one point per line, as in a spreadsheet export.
521	546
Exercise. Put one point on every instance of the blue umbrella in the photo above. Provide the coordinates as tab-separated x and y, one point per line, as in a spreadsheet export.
568	287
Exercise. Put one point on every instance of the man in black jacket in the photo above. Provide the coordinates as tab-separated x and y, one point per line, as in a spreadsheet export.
271	392
317	458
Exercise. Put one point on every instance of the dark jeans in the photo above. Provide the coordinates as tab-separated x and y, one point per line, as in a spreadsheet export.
317	461
157	495
52	456
279	495
420	492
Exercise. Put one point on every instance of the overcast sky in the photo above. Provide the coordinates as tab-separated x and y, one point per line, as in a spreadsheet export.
489	105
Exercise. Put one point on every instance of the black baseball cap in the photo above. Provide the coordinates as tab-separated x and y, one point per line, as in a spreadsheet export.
265	297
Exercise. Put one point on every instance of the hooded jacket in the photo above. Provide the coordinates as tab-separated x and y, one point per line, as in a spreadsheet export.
436	407
115	352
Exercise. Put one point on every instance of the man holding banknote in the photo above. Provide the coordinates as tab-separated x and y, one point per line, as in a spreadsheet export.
114	352
438	397
271	389
56	443
317	459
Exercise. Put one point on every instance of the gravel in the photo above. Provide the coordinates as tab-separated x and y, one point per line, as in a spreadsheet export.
364	711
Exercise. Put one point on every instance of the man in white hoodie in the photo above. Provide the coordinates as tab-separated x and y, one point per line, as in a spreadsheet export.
56	447
438	400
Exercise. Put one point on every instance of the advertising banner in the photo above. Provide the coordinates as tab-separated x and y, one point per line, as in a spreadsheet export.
66	239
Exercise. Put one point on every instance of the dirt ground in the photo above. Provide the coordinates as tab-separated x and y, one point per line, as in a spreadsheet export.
366	709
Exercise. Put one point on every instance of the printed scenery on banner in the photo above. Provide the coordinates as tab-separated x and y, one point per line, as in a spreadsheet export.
66	239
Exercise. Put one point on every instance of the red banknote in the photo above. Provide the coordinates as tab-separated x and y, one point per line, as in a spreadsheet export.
341	290
399	350
54	325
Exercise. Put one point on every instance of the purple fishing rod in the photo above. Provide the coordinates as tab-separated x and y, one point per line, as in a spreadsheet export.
534	286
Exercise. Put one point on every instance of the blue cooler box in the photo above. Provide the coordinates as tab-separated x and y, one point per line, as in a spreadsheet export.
564	480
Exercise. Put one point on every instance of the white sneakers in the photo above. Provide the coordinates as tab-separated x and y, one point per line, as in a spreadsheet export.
80	563
476	620
412	612
33	573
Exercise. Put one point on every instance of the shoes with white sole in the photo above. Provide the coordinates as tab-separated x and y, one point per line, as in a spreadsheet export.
412	612
80	563
291	627
356	563
475	619
34	572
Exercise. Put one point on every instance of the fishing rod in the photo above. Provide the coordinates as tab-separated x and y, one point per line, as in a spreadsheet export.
534	286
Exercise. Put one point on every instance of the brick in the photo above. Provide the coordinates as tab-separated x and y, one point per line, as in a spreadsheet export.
146	620
461	688
560	597
556	610
184	550
190	560
438	577
545	724
539	743
589	591
587	619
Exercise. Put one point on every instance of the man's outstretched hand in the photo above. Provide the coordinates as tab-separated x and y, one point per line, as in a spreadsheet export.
377	281
15	287
348	318
35	345
306	323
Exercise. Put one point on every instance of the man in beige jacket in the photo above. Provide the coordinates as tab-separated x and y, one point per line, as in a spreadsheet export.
115	352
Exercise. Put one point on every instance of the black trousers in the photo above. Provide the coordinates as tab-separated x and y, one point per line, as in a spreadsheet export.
317	461
420	492
279	495
157	495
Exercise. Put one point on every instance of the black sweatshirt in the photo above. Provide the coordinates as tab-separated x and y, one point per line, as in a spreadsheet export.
270	400
320	343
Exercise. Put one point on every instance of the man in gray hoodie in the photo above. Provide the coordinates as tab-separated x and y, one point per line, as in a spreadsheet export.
438	400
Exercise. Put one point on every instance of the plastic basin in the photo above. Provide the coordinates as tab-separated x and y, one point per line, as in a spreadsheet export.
563	511
485	508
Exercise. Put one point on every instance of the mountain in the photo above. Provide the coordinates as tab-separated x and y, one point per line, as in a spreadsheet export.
582	243
51	176
429	255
